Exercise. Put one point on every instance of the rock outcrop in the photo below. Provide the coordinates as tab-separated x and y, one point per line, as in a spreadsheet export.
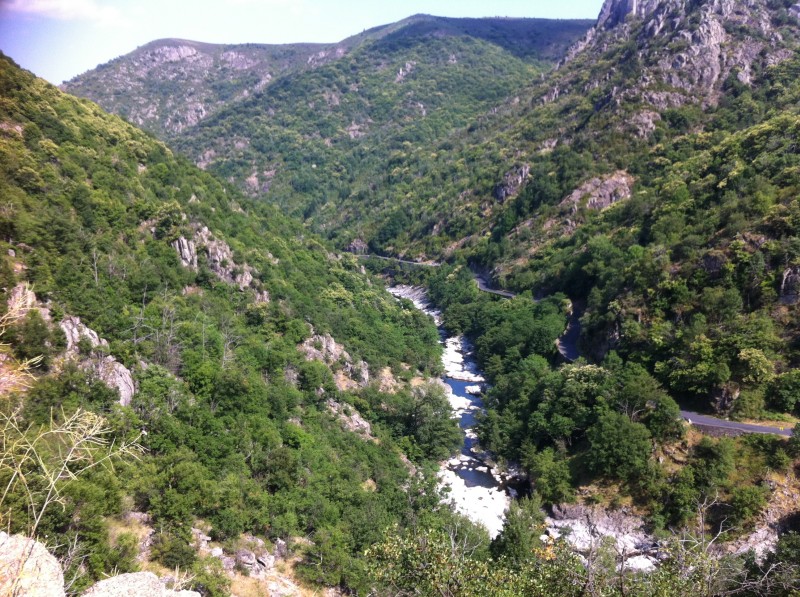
706	43
28	569
790	286
512	182
599	193
347	374
350	418
585	528
220	259
195	71
105	367
135	584
187	252
22	299
615	12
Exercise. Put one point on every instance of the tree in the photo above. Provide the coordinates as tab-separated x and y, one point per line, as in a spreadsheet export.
430	422
523	526
784	392
619	448
549	473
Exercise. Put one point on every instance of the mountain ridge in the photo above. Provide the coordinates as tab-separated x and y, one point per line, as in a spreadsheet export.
205	77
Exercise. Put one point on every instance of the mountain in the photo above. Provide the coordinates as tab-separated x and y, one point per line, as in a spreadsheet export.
169	85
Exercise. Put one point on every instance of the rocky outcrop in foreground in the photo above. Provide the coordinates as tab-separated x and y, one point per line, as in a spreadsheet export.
136	584
27	569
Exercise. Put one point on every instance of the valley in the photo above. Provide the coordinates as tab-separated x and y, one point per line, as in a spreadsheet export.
453	306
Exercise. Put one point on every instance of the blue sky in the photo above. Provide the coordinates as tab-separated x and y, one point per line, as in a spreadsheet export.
58	39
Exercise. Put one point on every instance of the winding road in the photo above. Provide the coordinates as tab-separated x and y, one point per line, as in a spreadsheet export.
567	345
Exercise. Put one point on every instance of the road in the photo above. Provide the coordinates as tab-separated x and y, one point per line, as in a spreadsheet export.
707	421
484	286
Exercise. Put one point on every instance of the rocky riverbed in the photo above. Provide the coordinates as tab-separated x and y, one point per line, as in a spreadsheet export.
474	488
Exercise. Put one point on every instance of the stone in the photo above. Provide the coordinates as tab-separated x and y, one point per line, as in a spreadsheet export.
220	259
512	182
600	193
217	552
724	397
790	286
350	418
28	569
135	584
245	557
281	549
187	252
105	367
357	246
22	299
75	331
266	561
114	375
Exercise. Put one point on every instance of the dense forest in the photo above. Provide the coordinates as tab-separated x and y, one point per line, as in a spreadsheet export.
277	393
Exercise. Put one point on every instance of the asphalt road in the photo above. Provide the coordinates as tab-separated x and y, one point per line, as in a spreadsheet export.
708	421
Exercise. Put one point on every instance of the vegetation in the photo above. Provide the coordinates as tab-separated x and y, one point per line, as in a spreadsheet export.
91	208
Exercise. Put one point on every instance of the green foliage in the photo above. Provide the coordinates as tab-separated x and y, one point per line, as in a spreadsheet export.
519	540
619	447
231	437
550	475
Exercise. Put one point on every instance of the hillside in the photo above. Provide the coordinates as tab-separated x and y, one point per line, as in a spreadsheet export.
170	85
158	304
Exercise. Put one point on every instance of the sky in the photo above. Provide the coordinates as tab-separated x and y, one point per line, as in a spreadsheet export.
58	39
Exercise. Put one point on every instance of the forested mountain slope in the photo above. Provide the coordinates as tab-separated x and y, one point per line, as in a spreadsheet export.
234	344
170	85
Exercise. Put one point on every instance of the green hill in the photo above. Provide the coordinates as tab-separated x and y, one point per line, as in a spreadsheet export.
212	302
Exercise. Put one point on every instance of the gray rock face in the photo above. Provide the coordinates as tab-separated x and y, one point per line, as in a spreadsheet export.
325	349
350	418
105	367
186	252
512	182
75	331
724	397
22	299
705	43
136	584
220	259
790	286
585	528
191	67
615	12
599	193
357	246
27	569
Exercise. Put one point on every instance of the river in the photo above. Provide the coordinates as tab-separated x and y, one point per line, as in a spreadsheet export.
477	492
472	487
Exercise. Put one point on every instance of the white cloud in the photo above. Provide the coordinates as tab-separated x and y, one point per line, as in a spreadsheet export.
66	10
